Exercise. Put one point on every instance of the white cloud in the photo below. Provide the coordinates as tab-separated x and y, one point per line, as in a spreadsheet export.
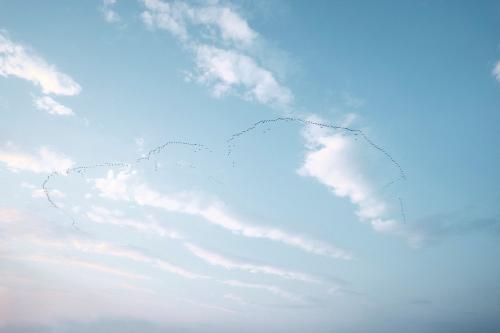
270	288
225	68
235	298
45	161
229	70
221	261
17	60
496	71
170	16
114	187
177	18
166	266
109	249
112	250
212	211
232	27
330	159
103	215
108	13
46	103
217	215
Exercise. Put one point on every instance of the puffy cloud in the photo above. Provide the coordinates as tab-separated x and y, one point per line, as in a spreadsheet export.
331	160
216	259
45	161
46	103
17	60
230	70
224	68
114	187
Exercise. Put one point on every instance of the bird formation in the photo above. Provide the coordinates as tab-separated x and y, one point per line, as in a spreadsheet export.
231	145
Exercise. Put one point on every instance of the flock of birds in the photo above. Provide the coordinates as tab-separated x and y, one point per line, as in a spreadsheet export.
230	146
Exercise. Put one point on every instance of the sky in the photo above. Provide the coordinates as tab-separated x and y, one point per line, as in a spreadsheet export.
249	166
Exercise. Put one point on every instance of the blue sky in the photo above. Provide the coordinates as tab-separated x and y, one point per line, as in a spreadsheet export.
283	166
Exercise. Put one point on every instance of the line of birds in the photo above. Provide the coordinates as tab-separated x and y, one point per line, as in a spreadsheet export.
231	144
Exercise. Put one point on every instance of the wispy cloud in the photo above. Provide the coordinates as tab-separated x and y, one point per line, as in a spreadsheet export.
77	263
107	11
219	39
17	60
9	214
103	215
30	233
433	229
216	259
351	101
212	211
227	71
496	71
44	161
46	103
112	250
217	215
209	306
179	18
235	298
270	288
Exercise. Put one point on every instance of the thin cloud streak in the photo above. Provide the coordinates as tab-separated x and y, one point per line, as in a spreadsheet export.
269	288
216	259
496	71
46	103
103	215
212	211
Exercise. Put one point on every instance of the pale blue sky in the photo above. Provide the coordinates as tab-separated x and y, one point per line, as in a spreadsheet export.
289	227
